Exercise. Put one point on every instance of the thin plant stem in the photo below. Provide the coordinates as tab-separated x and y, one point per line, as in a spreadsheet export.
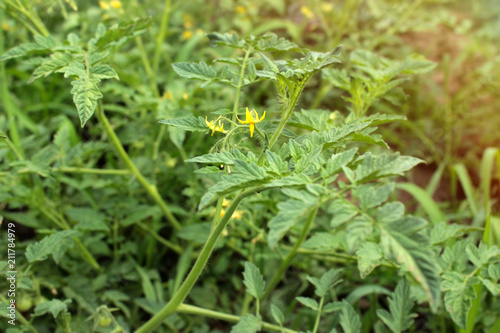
161	34
174	303
160	239
190	309
61	223
147	66
318	316
218	210
238	87
151	189
288	259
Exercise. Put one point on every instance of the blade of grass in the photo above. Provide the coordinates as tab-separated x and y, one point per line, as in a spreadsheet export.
466	183
425	200
487	165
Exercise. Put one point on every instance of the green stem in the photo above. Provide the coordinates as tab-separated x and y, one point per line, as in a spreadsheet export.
174	303
13	148
240	83
284	119
161	35
147	66
160	239
111	172
61	223
218	209
151	189
318	316
288	260
190	309
8	103
31	16
86	254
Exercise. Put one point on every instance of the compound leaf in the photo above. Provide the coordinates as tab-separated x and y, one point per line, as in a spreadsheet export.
40	250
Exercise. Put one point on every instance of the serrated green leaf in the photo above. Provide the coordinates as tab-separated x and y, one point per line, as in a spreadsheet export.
312	120
247	324
332	307
198	71
244	176
270	42
401	303
275	164
480	255
85	96
42	45
322	240
337	161
309	302
193	124
375	167
54	63
54	307
370	255
494	271
103	72
253	280
227	39
371	196
290	212
40	250
120	32
459	293
493	287
277	314
443	231
349	319
403	241
342	212
327	281
389	212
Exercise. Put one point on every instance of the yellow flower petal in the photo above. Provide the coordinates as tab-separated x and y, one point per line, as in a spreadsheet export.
116	4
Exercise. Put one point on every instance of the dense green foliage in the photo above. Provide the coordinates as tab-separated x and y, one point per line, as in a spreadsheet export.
260	178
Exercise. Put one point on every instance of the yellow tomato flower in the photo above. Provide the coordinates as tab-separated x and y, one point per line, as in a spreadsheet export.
241	9
215	128
187	34
252	118
5	26
327	7
103	5
307	12
116	4
167	95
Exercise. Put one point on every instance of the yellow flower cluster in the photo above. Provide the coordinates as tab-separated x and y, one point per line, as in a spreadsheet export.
188	25
115	4
219	127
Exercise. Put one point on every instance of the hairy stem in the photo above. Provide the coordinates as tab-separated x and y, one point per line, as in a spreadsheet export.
240	83
174	303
